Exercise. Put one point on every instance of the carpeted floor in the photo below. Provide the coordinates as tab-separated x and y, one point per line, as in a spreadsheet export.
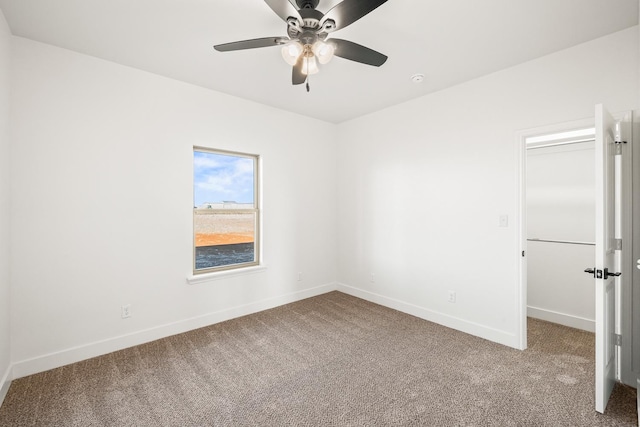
331	360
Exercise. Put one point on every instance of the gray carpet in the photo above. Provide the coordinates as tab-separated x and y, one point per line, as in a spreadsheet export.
331	360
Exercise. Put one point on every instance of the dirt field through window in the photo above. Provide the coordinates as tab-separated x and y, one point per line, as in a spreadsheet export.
224	229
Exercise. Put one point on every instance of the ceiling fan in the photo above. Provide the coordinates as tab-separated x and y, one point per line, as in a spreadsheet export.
306	43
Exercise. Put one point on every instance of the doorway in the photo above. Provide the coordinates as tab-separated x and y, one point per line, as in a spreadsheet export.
615	342
547	139
560	211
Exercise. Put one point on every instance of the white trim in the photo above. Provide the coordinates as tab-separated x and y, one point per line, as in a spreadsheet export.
5	383
521	241
562	318
194	279
578	135
555	128
491	334
98	348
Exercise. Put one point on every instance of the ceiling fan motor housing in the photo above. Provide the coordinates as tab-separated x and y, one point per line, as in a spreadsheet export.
310	21
311	17
307	4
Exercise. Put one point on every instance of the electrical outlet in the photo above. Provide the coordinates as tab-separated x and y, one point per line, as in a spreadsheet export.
373	277
126	311
299	276
452	296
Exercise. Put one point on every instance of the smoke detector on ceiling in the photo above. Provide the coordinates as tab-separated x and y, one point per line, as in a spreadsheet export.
417	78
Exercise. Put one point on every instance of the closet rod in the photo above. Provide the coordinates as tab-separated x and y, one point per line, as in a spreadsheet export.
568	242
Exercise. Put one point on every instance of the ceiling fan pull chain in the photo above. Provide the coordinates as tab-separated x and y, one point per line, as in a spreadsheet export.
307	59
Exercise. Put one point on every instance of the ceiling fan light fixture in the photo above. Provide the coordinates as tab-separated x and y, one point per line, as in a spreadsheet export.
310	66
291	52
323	51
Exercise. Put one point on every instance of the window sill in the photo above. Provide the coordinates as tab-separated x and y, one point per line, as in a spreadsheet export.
195	279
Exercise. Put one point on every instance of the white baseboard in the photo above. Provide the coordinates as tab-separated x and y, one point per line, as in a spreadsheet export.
562	318
491	334
5	382
98	348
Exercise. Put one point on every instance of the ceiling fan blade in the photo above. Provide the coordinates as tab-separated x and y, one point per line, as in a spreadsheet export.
298	77
349	11
250	44
284	9
355	52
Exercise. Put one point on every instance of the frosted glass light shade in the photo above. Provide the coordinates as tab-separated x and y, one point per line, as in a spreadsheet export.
324	51
309	65
291	52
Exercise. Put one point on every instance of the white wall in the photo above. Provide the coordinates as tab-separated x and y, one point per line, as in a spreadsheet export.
453	155
102	205
561	206
5	350
561	192
94	144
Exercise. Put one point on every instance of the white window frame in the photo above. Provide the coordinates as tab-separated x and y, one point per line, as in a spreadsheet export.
256	210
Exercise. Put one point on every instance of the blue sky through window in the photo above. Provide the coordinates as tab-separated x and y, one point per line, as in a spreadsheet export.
221	177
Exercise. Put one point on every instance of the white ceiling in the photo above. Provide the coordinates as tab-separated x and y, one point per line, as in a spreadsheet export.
450	41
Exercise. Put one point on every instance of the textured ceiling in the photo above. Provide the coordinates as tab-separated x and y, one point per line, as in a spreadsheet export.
449	41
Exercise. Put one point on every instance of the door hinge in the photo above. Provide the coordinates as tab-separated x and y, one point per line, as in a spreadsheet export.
618	244
617	340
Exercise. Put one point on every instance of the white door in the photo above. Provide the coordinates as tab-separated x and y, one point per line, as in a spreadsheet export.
605	259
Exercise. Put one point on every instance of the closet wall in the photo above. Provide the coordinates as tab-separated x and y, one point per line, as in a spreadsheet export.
561	233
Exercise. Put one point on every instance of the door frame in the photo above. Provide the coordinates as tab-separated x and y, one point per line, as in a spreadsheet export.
626	373
624	305
521	212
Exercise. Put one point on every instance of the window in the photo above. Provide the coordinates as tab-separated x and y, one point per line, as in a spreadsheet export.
226	214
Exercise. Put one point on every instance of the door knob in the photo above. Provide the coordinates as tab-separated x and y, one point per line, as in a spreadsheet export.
607	274
600	274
